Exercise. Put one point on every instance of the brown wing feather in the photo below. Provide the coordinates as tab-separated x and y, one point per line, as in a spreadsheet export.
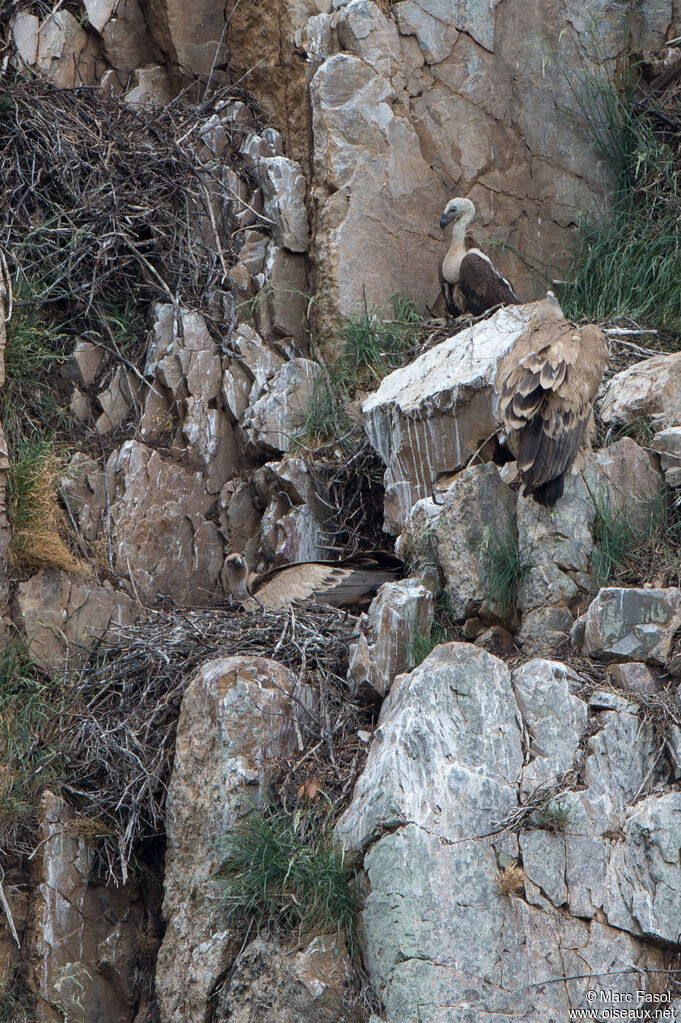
340	584
482	285
547	384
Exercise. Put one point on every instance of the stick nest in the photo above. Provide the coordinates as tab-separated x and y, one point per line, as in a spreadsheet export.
113	738
103	203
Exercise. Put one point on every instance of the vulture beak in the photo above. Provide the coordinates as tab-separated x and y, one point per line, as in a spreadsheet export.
444	220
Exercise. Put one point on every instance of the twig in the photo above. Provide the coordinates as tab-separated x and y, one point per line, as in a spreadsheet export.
8	912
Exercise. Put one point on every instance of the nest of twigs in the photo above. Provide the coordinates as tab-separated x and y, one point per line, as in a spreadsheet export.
113	738
106	203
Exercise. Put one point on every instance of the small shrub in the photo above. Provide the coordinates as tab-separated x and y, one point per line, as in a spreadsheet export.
281	869
503	568
36	520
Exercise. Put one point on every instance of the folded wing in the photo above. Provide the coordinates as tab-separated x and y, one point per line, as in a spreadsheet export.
349	583
546	385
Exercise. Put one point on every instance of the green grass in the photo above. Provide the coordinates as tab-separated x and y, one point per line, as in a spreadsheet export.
503	569
555	815
615	537
634	552
628	261
281	869
442	631
368	346
35	344
26	708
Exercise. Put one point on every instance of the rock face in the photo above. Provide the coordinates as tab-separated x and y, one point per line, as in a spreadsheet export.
377	184
477	521
632	625
649	389
84	935
431	416
154	541
400	615
453	727
237	717
64	617
267	984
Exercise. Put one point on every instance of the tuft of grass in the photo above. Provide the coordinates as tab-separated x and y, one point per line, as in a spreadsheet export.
628	261
17	1002
442	631
631	552
503	569
26	709
281	869
554	816
36	520
511	880
615	538
35	344
368	346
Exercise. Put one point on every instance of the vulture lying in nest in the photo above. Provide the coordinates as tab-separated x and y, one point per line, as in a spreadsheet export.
469	271
547	385
351	583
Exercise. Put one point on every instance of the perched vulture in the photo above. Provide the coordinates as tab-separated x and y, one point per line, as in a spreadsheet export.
349	583
546	385
469	271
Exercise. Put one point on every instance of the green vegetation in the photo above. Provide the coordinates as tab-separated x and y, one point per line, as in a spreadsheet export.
503	569
35	516
368	347
554	815
25	709
628	262
281	869
635	543
443	630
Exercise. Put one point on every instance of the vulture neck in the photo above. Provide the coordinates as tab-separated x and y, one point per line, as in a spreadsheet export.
451	264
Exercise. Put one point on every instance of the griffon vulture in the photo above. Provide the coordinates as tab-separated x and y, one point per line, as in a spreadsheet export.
349	583
469	270
546	385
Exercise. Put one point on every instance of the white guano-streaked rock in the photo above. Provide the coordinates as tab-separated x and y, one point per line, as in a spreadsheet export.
283	187
432	415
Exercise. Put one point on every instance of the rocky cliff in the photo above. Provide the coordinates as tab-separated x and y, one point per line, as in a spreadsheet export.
207	212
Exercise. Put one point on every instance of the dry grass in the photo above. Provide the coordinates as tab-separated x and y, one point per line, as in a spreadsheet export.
511	880
37	523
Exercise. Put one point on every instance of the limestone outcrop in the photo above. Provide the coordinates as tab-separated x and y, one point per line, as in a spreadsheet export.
431	945
432	416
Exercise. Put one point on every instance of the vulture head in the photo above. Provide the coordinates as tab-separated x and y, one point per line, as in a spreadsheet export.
235	577
458	209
